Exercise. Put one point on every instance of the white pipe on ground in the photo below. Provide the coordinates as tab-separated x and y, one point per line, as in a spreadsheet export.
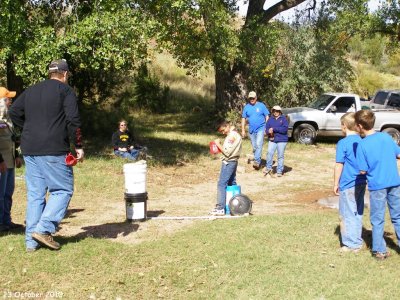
194	218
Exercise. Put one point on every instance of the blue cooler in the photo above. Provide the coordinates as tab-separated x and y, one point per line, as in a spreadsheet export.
231	191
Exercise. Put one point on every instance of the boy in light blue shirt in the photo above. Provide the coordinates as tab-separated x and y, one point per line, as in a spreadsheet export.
350	185
376	157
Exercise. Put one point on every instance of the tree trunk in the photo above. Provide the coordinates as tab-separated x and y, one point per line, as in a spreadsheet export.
14	82
230	88
231	82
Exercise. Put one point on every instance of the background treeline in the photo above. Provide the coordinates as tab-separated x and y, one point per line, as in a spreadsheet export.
166	56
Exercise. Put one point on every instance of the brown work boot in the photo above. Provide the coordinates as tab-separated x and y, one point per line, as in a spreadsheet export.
381	255
46	240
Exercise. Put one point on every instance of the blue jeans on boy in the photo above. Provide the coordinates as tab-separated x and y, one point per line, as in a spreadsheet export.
281	154
46	174
7	183
378	201
131	154
351	209
227	176
257	141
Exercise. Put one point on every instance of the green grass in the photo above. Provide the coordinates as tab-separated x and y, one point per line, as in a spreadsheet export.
285	256
270	257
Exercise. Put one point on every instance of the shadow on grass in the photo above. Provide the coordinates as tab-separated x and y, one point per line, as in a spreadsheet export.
367	237
155	213
71	212
162	151
108	230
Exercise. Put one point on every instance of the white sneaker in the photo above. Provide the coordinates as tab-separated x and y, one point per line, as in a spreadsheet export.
217	212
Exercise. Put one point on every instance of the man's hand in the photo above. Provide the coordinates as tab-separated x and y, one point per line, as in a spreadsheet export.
243	133
79	154
3	167
18	162
123	149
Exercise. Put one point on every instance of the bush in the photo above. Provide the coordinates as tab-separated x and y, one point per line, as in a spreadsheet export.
149	92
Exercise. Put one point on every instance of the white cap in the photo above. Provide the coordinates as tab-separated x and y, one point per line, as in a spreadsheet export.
252	94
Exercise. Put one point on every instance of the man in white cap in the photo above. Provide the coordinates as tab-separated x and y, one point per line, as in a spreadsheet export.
48	114
256	114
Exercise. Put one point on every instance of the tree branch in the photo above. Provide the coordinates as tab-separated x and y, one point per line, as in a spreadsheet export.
278	8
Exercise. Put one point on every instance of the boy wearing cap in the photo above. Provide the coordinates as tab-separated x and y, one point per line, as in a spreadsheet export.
256	114
9	159
376	157
276	130
48	114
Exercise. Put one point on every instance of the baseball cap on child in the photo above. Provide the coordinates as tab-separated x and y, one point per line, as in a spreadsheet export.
6	93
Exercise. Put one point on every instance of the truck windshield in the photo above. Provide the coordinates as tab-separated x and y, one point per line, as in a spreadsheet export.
322	102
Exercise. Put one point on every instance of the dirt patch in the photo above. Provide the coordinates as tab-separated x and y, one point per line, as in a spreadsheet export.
190	190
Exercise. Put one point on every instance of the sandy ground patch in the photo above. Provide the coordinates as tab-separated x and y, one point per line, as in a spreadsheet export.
190	190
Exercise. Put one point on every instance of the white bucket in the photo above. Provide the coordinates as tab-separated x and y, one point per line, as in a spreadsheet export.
136	207
135	177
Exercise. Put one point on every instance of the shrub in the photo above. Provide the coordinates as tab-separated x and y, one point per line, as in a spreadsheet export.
149	92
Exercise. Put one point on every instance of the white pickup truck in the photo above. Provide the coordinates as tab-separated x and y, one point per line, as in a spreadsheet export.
322	118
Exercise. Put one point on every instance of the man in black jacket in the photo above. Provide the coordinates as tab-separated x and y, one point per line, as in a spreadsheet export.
48	114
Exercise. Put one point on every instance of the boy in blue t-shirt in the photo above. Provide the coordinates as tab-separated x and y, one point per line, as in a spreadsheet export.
376	157
256	114
349	184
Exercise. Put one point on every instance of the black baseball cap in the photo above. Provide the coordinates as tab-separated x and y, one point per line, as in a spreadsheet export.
58	65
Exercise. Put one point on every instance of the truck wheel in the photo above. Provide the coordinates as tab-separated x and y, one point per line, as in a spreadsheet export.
305	134
394	133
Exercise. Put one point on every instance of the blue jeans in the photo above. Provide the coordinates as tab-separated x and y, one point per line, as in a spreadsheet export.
131	154
281	153
351	209
227	176
46	174
7	184
378	201
257	141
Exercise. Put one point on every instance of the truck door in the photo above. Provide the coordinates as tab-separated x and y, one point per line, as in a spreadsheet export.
336	110
379	99
394	100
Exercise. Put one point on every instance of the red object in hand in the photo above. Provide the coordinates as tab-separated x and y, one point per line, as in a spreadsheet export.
71	160
213	148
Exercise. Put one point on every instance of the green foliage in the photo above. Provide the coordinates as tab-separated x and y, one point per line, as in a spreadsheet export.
100	41
149	92
233	117
306	64
368	80
387	21
370	49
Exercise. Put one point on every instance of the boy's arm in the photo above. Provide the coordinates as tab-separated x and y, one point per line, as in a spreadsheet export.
361	160
336	176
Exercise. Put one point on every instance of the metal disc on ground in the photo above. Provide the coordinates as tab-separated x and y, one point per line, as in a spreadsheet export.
239	205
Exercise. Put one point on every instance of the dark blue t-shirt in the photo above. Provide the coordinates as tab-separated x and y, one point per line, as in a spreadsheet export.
255	114
376	154
346	154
